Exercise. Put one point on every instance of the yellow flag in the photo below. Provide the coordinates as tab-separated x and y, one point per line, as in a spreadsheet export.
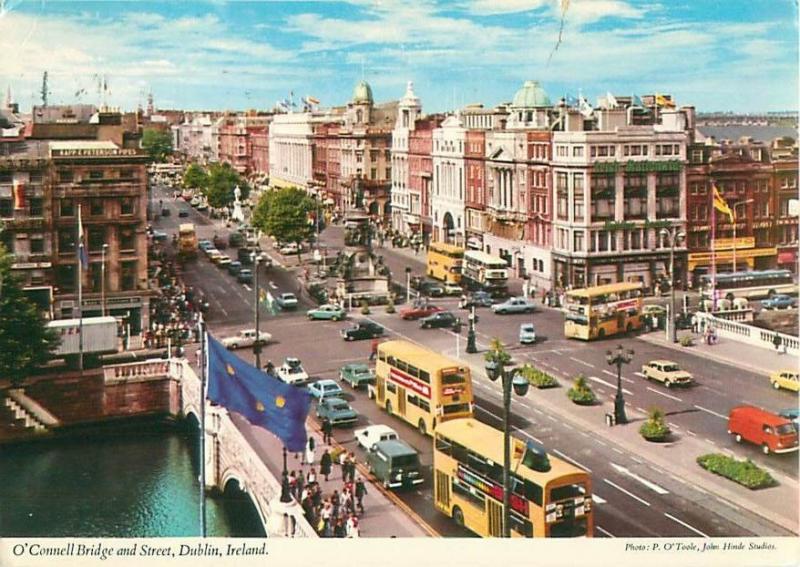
722	205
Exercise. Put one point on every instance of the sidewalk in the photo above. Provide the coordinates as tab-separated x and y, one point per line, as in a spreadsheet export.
728	351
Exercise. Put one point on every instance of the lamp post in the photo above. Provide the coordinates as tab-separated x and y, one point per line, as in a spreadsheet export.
673	236
286	496
408	284
497	369
257	344
618	358
735	221
471	346
103	279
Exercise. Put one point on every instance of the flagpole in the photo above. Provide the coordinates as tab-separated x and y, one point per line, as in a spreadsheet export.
713	249
203	373
80	289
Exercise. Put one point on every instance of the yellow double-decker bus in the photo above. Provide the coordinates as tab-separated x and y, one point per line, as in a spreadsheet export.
445	262
421	386
604	310
549	498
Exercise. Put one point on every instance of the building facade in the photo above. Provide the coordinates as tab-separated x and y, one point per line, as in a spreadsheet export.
236	135
409	110
194	138
448	184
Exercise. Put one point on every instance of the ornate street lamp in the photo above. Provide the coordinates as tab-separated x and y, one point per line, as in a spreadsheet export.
496	368
673	237
618	358
408	284
256	257
472	348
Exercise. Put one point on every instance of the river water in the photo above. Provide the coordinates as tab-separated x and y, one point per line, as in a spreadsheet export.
142	484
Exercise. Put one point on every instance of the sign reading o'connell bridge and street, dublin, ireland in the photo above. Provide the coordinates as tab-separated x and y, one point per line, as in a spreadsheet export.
637	166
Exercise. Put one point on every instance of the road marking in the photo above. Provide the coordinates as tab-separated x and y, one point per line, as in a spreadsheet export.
601	381
598	500
273	285
701	408
550	417
247	287
690	432
526	434
617	450
609	534
628	380
612	374
672	425
579	361
640	375
573	461
710	441
660	393
490	413
681	522
631	494
651	485
601	443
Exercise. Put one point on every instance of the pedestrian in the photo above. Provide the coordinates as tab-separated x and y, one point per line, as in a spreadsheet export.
335	502
300	484
310	446
374	350
361	491
695	324
293	483
776	340
339	530
351	469
352	526
325	464
311	478
327	431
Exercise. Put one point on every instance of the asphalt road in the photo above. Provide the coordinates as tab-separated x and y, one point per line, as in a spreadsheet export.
632	498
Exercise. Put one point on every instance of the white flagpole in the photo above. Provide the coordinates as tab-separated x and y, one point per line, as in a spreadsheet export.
203	373
80	290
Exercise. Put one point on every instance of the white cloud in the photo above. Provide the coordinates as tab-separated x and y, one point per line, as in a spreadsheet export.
491	7
587	11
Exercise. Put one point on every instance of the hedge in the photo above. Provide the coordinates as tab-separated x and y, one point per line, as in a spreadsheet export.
746	472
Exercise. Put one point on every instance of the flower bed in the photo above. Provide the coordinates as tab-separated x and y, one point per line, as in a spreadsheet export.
538	378
746	473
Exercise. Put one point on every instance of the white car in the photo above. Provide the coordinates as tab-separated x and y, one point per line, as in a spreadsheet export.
223	261
452	289
292	372
287	301
325	389
245	338
290	248
372	434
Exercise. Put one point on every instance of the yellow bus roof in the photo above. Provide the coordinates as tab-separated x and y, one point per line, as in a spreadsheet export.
488	442
604	289
186	227
445	247
420	357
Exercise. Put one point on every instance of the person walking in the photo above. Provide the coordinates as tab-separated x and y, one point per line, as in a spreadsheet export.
374	349
327	431
361	491
310	446
352	526
325	464
300	484
311	478
777	342
351	467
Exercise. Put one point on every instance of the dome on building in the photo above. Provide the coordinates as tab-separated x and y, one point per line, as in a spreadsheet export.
531	95
362	93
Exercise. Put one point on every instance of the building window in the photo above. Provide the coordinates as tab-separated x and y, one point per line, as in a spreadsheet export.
577	151
36	177
126	174
126	206
96	207
602	241
65	278
6	208
66	208
636	240
128	273
66	176
96	174
6	177
127	240
37	244
97	237
578	242
578	210
66	241
36	205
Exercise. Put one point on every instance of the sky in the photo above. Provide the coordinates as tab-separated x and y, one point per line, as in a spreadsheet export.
718	55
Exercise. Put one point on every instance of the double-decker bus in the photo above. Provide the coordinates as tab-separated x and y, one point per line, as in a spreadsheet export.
420	386
445	261
604	310
485	272
549	497
754	284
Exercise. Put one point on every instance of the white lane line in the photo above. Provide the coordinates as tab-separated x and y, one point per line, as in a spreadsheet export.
617	450
490	413
550	417
681	522
571	460
598	500
608	533
223	310
631	494
690	432
640	375
526	434
247	287
612	386
651	485
711	412
710	441
579	361
628	380
672	425
601	443
660	393
612	374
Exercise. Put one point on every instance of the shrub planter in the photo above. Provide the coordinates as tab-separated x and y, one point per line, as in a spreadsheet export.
655	429
537	377
746	472
365	308
581	393
687	341
390	307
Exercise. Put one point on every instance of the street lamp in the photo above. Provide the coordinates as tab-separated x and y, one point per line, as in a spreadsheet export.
286	495
618	358
103	279
408	284
497	369
257	344
471	346
673	237
735	222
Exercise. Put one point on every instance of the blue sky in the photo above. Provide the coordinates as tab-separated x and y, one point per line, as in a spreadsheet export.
739	55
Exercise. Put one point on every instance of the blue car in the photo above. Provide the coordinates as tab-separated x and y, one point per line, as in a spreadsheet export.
779	301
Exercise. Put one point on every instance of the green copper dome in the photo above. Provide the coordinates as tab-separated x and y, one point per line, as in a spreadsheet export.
531	95
362	92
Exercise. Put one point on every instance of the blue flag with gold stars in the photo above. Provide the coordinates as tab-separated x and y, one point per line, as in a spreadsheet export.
263	399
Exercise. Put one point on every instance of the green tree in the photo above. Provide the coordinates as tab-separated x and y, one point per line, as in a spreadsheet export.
284	214
222	179
195	177
157	143
25	341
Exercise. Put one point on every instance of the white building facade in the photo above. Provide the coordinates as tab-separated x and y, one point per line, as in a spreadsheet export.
447	198
409	109
291	146
194	138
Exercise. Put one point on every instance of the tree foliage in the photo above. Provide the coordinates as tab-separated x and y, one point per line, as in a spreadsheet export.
157	143
284	214
195	177
25	340
221	180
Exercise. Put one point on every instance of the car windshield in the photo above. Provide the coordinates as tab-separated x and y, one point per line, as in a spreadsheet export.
785	429
361	371
288	296
671	368
338	405
527	328
405	461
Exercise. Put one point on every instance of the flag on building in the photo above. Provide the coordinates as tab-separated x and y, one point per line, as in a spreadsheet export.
83	256
721	204
636	101
19	194
611	100
263	400
585	108
311	100
661	100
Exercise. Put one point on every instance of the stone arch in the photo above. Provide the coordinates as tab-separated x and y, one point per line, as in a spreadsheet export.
374	208
447	227
233	478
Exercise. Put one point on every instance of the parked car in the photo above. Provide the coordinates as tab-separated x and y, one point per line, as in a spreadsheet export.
183	213
356	374
779	301
292	372
442	319
527	334
431	289
220	242
325	389
327	312
514	305
245	276
286	300
165	212
337	411
290	248
223	261
159	236
667	372
773	433
236	239
452	289
202	206
205	245
362	330
368	436
787	379
478	299
214	255
245	338
394	463
418	311
195	201
234	267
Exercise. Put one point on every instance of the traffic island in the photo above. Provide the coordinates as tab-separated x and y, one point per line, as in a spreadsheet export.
746	472
655	428
581	393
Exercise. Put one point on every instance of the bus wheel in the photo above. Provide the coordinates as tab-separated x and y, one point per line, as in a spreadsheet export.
389	407
458	516
421	426
601	334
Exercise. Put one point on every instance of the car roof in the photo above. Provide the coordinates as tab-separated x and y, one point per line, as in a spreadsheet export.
326	382
395	448
380	428
767	417
526	326
661	361
357	366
